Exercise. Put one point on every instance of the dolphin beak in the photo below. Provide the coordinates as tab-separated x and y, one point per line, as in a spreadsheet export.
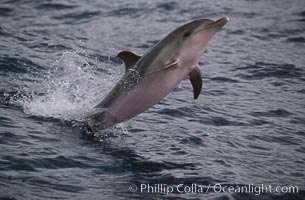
220	23
213	25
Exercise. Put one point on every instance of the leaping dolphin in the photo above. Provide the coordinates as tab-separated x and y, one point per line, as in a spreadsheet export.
149	78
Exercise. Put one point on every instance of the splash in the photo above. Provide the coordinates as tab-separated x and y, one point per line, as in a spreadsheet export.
70	90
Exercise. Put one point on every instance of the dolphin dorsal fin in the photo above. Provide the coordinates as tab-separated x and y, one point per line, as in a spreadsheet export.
129	58
196	80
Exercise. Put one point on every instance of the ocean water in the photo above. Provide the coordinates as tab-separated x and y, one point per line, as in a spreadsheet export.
247	128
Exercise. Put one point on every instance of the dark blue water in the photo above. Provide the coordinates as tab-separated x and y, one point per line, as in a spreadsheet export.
57	60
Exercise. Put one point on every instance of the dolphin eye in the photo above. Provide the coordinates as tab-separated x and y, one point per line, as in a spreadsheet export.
186	34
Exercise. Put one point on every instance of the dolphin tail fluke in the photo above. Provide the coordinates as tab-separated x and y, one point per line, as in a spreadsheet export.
99	120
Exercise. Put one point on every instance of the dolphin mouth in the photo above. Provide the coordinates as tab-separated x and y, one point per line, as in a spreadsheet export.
221	22
216	25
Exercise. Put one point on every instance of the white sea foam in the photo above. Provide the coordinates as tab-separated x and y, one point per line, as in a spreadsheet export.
71	88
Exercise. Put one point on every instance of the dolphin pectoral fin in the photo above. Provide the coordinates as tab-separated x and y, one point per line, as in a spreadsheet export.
172	64
196	80
129	58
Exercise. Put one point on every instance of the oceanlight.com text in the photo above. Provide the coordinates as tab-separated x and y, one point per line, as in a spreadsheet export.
215	188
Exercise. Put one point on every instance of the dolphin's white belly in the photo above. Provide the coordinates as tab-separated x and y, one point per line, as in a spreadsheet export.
148	92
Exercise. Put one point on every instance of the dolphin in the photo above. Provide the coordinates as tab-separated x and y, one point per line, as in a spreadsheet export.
149	78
